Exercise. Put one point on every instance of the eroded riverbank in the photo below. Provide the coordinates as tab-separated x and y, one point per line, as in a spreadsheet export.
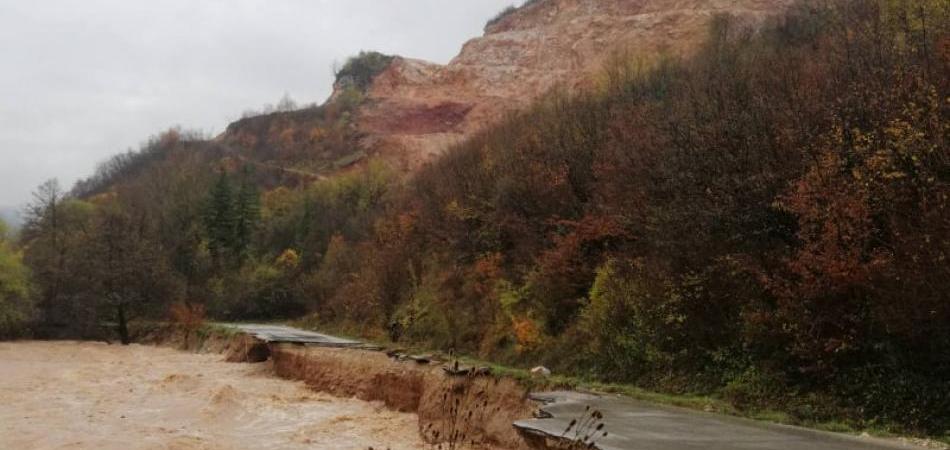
93	395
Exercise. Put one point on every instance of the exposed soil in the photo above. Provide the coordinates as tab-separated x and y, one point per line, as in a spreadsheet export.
93	395
420	119
419	109
410	387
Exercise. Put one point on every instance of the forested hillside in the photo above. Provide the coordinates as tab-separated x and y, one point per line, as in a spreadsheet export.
767	221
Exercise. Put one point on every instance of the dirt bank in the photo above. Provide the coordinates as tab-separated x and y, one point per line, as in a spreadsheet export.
489	405
402	386
93	395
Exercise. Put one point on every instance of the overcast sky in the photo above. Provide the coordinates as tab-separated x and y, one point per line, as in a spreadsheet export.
83	79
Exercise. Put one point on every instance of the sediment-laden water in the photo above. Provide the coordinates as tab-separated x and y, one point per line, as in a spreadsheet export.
92	395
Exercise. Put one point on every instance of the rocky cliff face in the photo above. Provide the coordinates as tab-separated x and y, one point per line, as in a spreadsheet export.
414	109
417	109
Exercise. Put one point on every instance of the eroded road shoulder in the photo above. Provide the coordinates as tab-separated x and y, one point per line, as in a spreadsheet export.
636	425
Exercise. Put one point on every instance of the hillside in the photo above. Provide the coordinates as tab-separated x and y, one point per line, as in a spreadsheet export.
413	110
763	220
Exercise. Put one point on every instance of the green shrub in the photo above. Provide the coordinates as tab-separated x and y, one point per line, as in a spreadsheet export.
360	70
623	320
259	290
754	388
655	328
886	395
424	319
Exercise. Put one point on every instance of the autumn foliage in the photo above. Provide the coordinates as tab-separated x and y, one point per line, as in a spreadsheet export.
767	217
767	221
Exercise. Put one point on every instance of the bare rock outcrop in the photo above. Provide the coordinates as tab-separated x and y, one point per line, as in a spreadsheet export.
417	109
414	110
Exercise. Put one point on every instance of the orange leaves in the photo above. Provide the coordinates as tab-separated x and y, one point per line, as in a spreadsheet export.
278	202
288	260
287	137
834	226
395	230
569	246
487	272
316	134
527	333
868	212
489	266
943	52
594	227
188	316
456	210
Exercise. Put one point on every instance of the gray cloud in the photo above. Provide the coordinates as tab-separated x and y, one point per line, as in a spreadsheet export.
81	80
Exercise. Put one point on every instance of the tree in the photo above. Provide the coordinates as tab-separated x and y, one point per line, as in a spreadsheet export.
286	104
231	218
219	220
55	228
247	212
126	269
15	302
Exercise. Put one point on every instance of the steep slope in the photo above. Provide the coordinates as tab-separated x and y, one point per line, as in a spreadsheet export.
414	109
417	108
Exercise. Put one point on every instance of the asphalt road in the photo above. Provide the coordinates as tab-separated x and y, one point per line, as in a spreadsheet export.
642	426
277	333
635	425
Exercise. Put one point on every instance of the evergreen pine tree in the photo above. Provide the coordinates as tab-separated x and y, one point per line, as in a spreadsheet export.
220	218
247	212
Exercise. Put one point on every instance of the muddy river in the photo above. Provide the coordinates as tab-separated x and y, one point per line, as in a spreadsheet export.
97	396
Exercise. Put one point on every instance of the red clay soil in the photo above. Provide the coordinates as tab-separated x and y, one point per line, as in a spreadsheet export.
418	119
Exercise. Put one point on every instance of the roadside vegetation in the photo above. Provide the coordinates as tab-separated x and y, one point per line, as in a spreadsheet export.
766	224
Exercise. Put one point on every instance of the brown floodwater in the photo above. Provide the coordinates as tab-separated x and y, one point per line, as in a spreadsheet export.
64	395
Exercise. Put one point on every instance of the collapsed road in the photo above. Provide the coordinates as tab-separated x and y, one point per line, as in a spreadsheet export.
630	424
282	334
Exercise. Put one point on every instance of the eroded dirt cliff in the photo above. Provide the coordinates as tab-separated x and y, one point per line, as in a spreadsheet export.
417	108
483	409
414	110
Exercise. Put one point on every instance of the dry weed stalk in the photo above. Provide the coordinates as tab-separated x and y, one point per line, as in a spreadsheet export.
463	413
585	431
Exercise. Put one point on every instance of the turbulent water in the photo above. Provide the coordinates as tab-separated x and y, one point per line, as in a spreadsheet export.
90	395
